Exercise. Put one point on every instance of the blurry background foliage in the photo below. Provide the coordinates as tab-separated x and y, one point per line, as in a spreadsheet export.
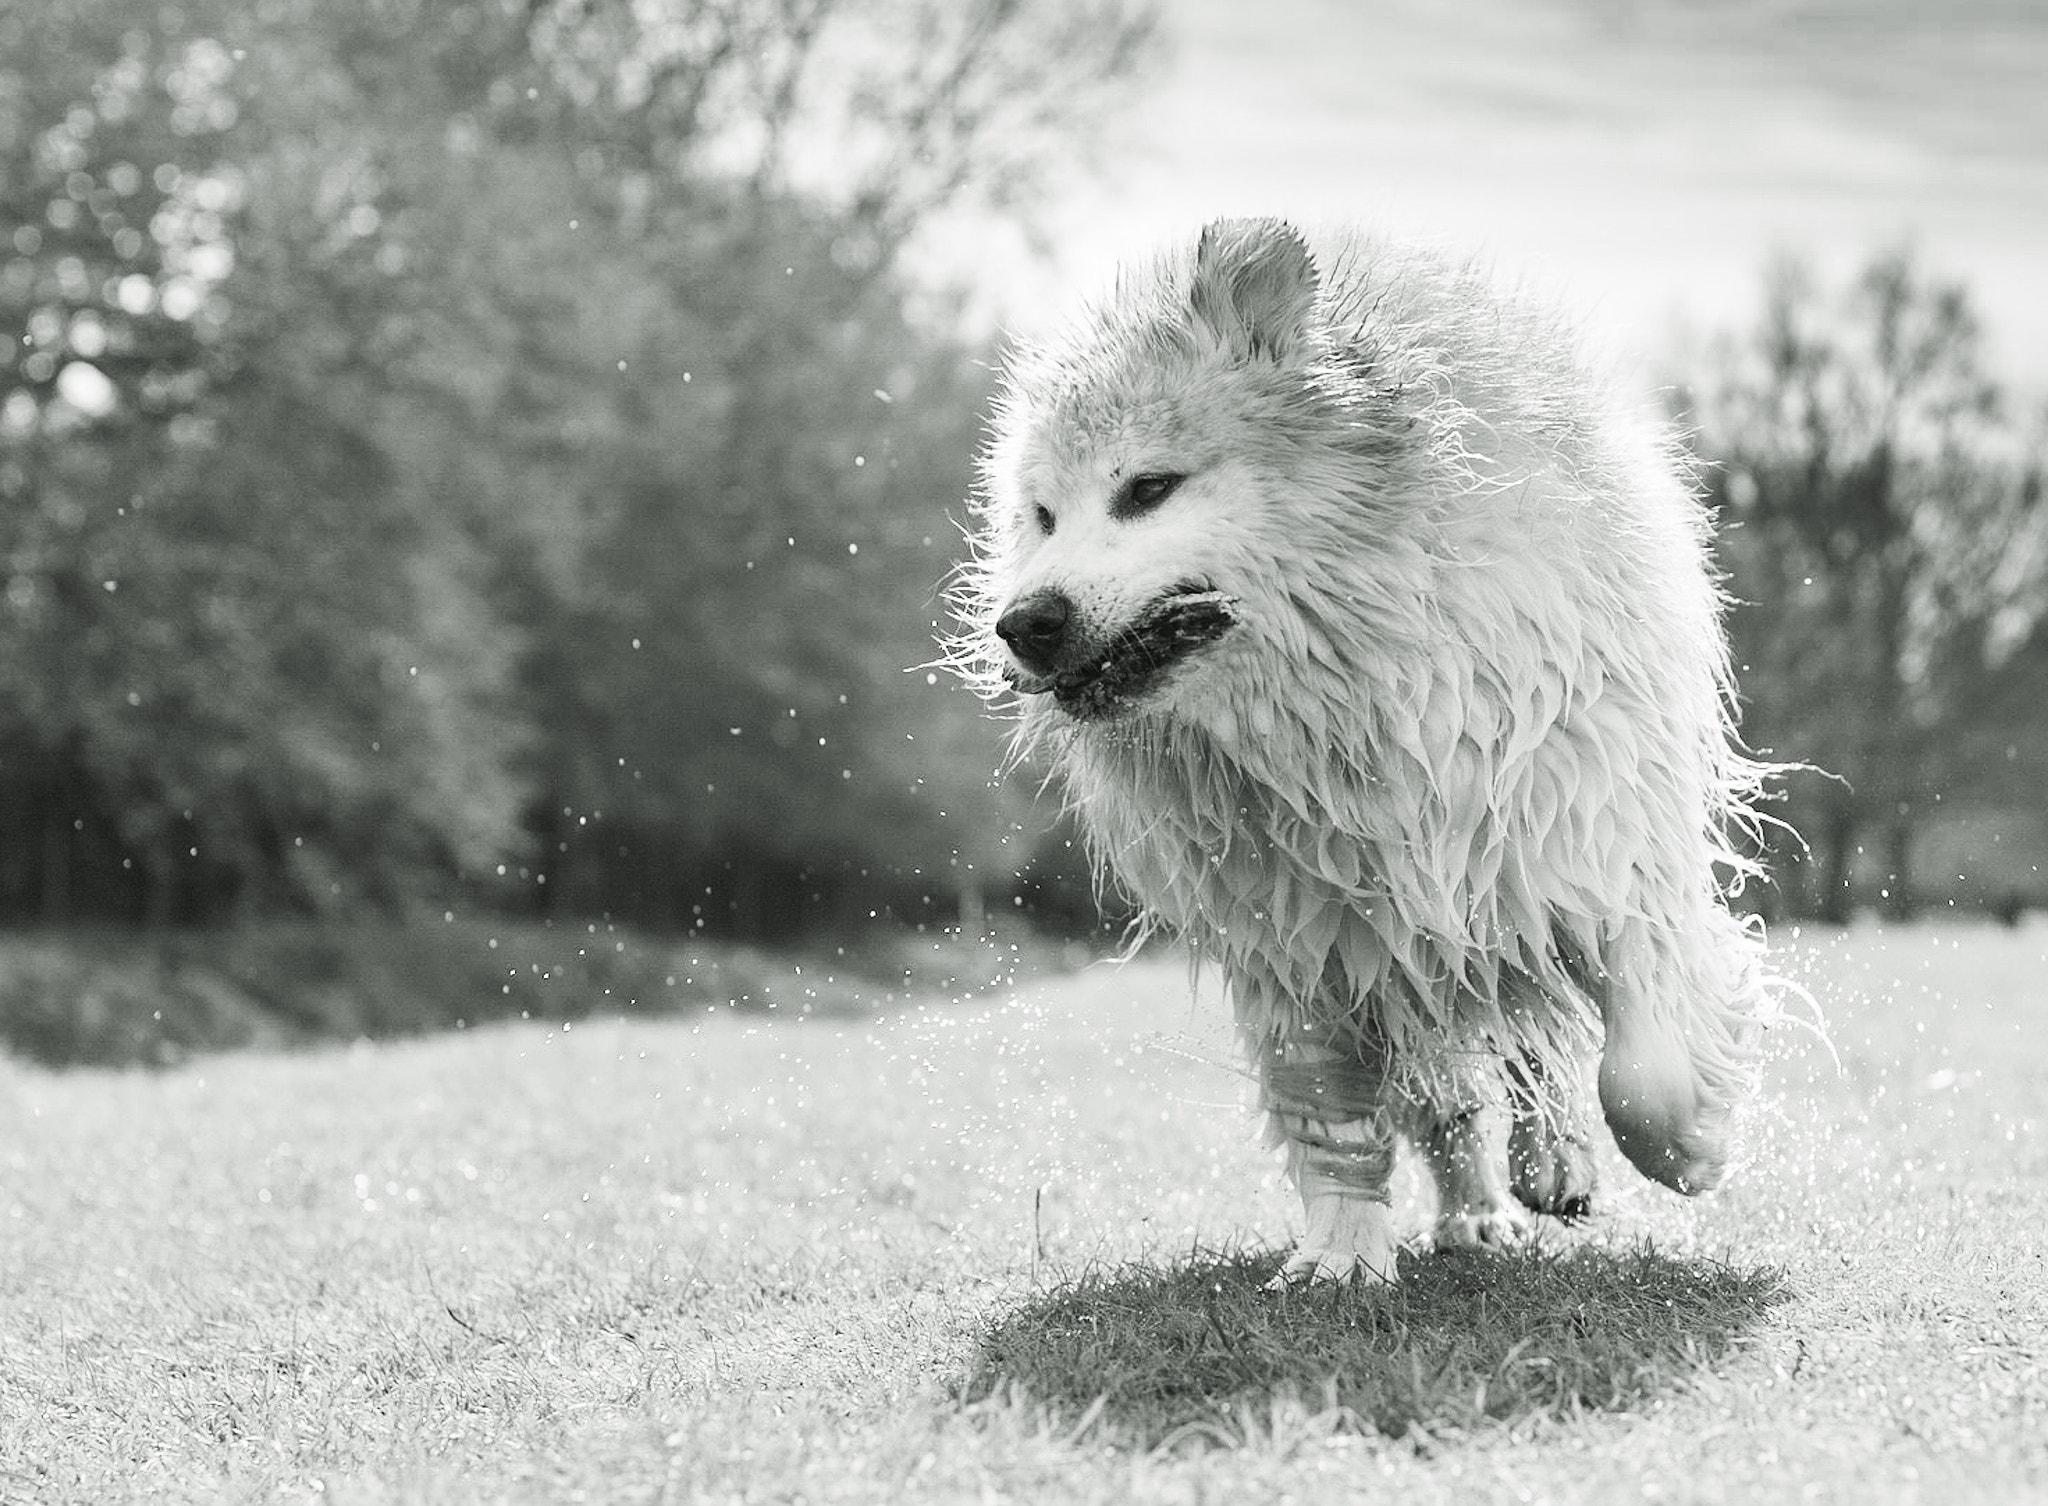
1885	542
475	448
494	453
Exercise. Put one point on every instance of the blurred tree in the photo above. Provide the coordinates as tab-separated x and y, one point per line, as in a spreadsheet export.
1885	546
238	670
884	114
434	417
739	560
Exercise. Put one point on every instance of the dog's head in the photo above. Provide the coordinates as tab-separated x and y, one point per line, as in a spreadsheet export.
1134	491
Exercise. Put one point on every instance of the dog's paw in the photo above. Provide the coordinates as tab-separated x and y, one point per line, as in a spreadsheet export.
1667	1117
1551	1173
1349	1239
1481	1229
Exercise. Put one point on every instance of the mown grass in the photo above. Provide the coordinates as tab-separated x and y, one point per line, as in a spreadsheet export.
1004	1250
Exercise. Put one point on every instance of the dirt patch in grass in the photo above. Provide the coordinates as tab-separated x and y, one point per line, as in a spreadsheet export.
1201	1351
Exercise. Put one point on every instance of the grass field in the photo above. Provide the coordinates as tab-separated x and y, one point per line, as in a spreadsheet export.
1005	1250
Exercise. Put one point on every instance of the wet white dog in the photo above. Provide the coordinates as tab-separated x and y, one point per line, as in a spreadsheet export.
1375	643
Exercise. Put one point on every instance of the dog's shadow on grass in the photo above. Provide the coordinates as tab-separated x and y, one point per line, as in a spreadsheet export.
1145	1355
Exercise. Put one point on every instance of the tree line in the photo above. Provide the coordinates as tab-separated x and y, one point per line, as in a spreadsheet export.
1885	545
468	448
493	450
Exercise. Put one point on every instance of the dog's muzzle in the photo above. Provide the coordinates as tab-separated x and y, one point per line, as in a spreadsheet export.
1092	675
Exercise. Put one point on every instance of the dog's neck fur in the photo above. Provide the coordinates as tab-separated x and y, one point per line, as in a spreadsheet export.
1314	901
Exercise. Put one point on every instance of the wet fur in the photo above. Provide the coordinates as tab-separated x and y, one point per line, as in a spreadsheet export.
1447	797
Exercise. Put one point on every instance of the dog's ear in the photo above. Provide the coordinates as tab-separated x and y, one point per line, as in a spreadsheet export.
1255	283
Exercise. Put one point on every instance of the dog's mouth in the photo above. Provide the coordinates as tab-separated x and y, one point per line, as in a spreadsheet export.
1105	678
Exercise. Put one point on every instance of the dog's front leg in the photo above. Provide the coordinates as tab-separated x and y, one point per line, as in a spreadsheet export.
1325	1106
1550	1147
1473	1208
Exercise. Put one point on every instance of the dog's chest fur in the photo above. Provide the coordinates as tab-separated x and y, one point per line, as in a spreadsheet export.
1358	902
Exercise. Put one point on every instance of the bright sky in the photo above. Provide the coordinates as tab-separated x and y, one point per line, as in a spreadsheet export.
1641	158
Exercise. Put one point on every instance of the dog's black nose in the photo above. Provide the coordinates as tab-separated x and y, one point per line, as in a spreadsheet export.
1035	627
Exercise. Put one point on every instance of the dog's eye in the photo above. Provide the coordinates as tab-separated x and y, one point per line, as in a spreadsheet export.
1143	493
1042	516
